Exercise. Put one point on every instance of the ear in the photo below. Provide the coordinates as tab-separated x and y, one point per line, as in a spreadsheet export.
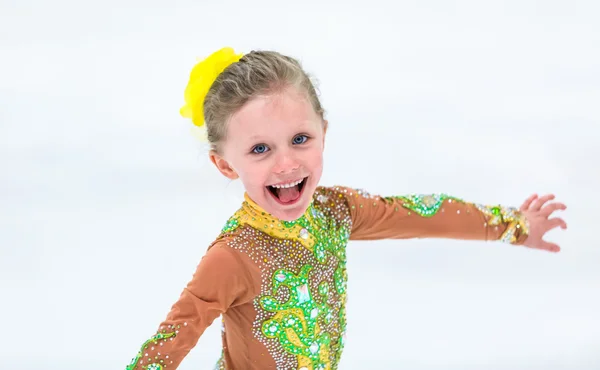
222	165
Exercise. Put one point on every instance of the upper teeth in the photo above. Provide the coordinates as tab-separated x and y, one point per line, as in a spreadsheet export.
287	185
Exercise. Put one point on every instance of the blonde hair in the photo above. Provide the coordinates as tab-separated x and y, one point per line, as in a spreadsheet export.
257	73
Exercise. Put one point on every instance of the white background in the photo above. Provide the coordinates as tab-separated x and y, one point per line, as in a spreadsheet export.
107	202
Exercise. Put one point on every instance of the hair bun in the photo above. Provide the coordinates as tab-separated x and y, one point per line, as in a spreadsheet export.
202	76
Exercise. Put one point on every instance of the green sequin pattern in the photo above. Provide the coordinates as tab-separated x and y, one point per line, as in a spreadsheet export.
296	321
301	306
425	205
300	310
230	225
158	365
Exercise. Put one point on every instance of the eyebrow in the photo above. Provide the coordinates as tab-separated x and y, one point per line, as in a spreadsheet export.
254	137
302	128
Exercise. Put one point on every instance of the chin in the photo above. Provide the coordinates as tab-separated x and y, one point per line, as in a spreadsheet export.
292	214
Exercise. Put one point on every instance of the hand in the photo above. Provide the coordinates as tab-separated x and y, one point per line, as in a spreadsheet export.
538	212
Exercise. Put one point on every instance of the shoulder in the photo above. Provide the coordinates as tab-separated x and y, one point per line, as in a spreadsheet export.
220	258
227	265
337	201
340	193
223	251
348	202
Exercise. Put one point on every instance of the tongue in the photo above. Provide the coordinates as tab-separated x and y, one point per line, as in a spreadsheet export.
287	195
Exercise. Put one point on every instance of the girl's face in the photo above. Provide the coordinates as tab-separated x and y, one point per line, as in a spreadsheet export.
275	145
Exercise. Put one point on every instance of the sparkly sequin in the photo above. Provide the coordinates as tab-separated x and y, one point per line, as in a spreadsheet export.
231	225
300	311
516	223
153	363
426	205
296	322
220	365
251	214
429	205
300	308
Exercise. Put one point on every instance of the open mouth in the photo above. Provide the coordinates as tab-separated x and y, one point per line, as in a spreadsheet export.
288	193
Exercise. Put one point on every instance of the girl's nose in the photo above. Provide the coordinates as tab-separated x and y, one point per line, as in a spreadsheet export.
286	164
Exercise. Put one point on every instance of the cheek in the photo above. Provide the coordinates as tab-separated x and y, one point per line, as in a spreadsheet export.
252	173
315	160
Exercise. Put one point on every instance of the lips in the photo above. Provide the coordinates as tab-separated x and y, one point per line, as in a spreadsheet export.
287	193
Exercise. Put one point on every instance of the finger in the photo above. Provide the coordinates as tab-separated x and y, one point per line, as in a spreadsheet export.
556	222
538	203
545	246
527	203
551	208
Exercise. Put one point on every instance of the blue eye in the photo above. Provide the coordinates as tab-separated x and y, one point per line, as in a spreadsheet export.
300	139
260	149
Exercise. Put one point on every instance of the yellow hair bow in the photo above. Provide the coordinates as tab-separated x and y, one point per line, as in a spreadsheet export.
202	77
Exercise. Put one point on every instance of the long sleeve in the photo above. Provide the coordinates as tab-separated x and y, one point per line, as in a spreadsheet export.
431	216
220	281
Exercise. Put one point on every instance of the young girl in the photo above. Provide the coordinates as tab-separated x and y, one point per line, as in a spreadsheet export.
277	271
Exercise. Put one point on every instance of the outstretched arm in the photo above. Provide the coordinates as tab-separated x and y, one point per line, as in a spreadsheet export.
445	216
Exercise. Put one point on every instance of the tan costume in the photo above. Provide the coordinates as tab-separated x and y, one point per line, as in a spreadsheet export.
281	286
